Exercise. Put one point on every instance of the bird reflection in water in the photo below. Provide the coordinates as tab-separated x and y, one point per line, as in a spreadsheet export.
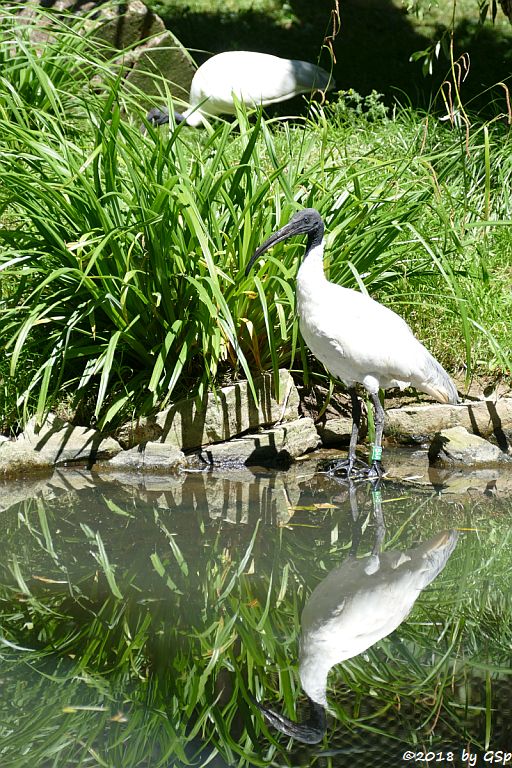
357	604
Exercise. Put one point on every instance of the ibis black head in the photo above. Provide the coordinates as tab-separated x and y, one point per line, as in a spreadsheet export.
157	116
306	222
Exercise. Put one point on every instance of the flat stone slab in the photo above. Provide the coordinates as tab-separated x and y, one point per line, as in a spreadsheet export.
150	456
231	411
53	444
337	431
420	423
276	446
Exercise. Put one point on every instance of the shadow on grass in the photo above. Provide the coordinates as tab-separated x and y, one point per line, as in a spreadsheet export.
372	49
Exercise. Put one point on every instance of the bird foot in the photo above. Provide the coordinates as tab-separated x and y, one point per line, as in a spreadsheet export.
310	731
157	116
355	469
351	467
376	470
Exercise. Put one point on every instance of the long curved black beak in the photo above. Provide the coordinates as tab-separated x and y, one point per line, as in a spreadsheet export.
310	731
284	233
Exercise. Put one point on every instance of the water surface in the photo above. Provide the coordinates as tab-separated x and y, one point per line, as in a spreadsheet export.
141	614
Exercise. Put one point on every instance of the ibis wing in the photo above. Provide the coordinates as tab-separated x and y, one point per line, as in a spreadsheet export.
356	337
253	78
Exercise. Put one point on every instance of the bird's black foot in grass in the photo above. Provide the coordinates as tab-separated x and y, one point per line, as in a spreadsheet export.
157	116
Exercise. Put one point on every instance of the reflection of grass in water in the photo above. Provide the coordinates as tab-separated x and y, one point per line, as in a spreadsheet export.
158	676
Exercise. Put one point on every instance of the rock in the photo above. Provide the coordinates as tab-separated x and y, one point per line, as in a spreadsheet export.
155	53
337	431
17	459
332	414
456	446
150	456
125	25
275	446
220	416
52	444
161	57
149	49
420	423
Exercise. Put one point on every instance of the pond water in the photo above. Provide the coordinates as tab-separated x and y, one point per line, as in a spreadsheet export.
143	616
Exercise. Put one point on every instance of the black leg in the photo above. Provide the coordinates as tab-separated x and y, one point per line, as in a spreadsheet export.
376	468
352	466
356	519
356	423
310	731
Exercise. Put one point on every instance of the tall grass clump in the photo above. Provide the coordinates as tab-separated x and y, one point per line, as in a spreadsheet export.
122	253
48	66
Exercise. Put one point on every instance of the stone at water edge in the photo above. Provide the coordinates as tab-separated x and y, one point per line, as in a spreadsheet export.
276	446
229	412
54	443
457	446
419	423
150	456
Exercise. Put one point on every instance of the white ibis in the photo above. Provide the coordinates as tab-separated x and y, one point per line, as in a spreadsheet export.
357	339
356	605
252	78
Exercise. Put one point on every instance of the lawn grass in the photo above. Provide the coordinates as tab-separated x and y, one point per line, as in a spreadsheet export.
122	255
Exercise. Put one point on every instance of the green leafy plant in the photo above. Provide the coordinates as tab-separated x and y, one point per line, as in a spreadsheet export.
122	254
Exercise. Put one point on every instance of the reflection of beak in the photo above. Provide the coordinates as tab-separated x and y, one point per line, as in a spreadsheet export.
310	731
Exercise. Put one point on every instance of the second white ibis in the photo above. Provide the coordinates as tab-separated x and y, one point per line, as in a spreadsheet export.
254	79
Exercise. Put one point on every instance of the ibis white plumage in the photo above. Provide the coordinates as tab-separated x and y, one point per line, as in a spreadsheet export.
357	604
254	79
357	339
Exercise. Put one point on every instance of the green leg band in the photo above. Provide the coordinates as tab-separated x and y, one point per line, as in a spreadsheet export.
376	453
